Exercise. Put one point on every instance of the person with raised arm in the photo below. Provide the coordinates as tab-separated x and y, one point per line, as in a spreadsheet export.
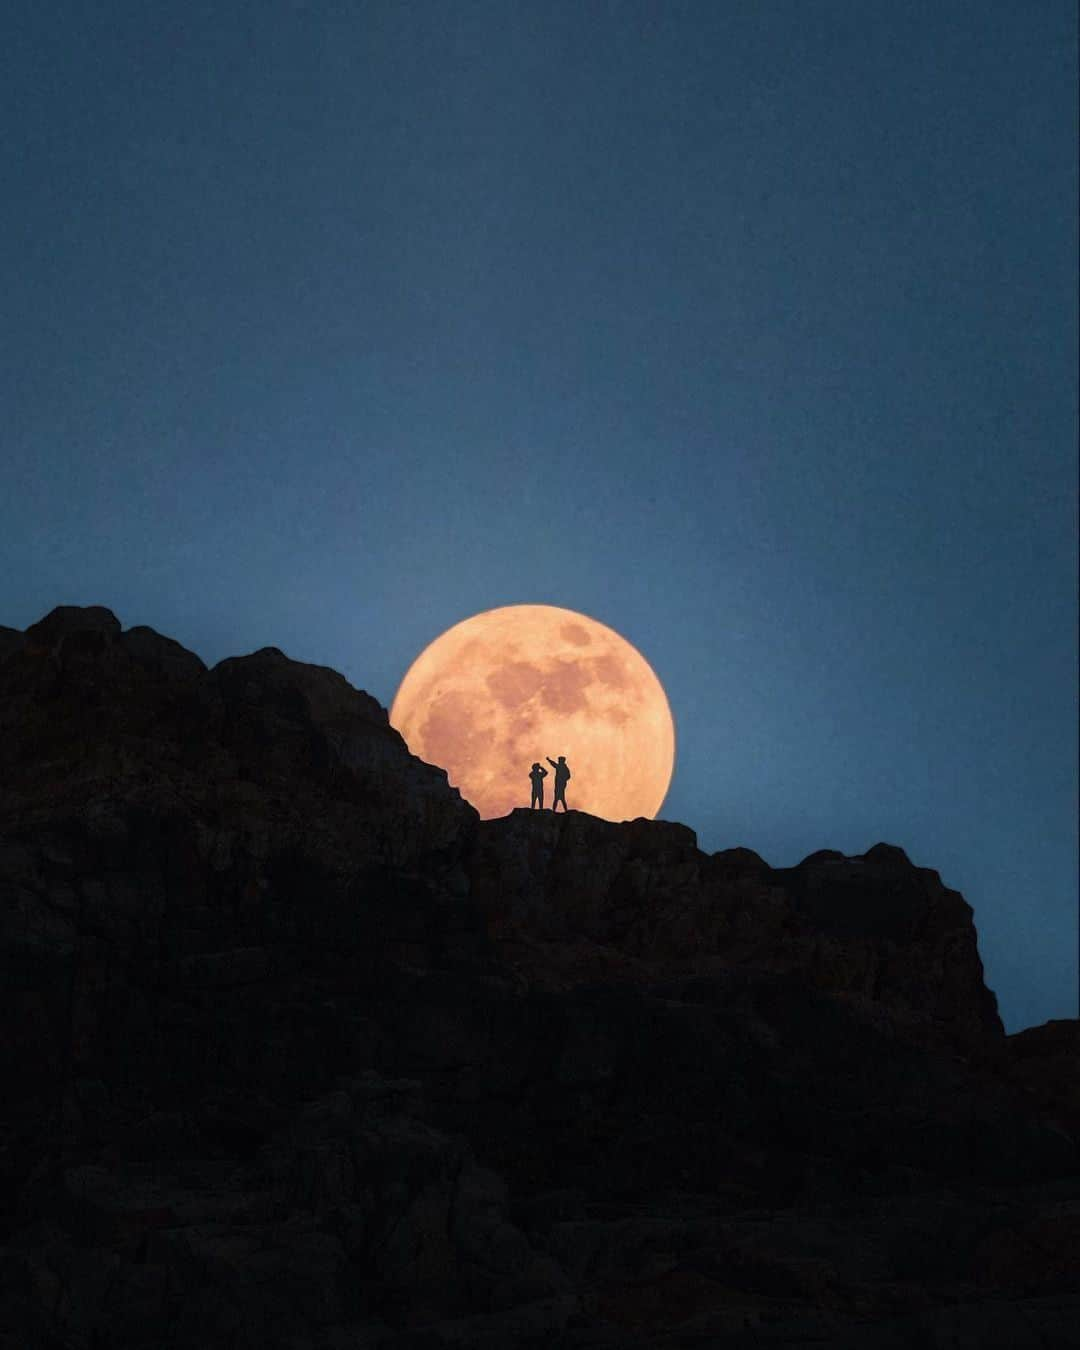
562	777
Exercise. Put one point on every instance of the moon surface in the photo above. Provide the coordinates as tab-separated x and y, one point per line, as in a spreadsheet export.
519	684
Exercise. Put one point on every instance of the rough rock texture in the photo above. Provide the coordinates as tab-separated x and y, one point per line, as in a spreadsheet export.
299	1053
873	928
1043	1060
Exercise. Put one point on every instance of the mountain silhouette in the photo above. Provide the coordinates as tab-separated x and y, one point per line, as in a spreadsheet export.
302	1053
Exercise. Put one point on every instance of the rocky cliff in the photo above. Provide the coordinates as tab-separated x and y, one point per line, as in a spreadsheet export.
299	1052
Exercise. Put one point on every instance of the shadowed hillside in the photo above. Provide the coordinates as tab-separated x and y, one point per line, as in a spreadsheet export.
301	1053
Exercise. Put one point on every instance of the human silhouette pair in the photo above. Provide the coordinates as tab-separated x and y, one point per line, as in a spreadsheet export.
538	773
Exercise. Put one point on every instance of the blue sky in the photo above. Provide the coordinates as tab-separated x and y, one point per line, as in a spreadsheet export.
750	330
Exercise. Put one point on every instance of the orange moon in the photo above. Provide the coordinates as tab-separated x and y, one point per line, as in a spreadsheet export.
520	684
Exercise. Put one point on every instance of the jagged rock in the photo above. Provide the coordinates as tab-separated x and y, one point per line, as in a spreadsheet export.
11	641
307	1055
738	861
73	620
1043	1060
893	932
635	900
161	655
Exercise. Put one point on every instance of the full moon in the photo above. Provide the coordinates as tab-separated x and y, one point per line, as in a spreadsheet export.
527	683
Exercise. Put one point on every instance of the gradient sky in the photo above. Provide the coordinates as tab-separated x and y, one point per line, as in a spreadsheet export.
749	329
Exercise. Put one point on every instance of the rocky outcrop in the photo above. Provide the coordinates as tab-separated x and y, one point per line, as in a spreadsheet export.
570	894
261	744
304	1054
11	641
1043	1061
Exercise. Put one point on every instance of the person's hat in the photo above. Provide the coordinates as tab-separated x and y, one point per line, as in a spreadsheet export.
562	759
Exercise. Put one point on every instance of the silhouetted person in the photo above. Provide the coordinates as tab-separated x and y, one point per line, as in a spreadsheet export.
537	774
562	777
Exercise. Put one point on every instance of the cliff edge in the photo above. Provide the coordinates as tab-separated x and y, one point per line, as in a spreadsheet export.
303	1053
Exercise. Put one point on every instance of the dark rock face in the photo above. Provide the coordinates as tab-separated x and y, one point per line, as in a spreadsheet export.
73	622
11	641
162	656
873	928
1043	1060
301	1053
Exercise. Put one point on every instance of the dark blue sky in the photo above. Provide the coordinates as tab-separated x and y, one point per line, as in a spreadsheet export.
748	329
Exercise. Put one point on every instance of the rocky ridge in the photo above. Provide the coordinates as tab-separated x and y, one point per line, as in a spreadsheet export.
305	1054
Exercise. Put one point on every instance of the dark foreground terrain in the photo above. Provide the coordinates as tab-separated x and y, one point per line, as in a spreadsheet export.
297	1052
